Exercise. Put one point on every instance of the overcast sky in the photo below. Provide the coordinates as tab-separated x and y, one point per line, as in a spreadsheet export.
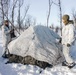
39	10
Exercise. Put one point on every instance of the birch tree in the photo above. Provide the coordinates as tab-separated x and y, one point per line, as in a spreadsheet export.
58	4
74	16
49	10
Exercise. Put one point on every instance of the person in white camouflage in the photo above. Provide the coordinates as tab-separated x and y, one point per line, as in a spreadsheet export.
6	34
68	39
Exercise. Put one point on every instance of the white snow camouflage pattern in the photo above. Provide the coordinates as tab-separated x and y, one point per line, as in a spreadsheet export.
40	43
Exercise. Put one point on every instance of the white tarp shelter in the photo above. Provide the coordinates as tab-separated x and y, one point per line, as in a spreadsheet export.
38	42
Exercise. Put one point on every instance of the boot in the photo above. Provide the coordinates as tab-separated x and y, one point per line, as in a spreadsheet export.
4	55
71	65
68	65
64	63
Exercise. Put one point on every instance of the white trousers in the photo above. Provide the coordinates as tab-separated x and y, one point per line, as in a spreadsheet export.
66	53
5	49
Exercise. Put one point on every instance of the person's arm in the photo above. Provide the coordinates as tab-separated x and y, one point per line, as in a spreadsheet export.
71	35
60	40
5	30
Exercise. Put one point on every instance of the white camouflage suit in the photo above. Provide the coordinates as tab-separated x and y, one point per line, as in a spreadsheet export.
6	37
68	38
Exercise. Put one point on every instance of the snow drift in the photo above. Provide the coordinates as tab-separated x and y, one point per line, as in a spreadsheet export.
38	42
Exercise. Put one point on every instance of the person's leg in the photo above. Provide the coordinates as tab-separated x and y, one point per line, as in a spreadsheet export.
4	51
66	52
68	60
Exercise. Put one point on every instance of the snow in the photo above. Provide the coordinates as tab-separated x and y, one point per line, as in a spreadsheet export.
19	69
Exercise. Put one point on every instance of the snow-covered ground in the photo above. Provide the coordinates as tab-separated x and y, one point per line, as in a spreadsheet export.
19	69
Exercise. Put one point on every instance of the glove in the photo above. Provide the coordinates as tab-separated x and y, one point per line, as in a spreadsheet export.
60	40
68	45
12	30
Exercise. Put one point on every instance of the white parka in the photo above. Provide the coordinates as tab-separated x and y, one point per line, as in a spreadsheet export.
6	35
68	34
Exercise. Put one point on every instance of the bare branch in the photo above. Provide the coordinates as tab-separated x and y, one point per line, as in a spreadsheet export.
74	16
60	10
13	8
50	4
56	4
14	4
26	10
